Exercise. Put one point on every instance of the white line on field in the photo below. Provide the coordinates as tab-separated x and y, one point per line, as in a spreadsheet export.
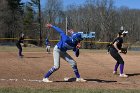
30	80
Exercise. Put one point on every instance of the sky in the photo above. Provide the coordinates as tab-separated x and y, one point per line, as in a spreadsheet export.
132	4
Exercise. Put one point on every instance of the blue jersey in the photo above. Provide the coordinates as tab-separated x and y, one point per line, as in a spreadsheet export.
47	42
65	42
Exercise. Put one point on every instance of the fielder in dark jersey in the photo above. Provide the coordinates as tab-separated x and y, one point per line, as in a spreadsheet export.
18	44
115	51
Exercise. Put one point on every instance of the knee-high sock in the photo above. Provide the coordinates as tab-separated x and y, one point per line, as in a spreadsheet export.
53	69
116	66
121	68
75	69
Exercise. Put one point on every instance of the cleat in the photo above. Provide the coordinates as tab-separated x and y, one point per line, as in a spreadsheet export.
115	72
21	56
123	75
46	80
80	80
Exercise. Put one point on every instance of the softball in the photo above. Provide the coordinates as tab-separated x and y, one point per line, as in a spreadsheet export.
66	79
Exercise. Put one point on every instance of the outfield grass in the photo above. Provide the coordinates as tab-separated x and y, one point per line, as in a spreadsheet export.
25	49
28	90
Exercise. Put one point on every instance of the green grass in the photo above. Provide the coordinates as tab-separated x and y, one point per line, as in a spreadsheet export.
25	49
28	90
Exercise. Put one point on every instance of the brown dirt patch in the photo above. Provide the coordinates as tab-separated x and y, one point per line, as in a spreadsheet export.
95	66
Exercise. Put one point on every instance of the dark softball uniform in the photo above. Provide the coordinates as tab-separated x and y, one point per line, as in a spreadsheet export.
19	45
113	51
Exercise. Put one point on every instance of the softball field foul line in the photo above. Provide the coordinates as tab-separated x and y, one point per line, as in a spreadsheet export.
30	80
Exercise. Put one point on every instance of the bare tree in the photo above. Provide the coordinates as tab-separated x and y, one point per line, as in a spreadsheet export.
37	4
11	17
3	9
100	16
53	14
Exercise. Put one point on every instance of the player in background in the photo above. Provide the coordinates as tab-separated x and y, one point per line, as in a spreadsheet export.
65	43
48	45
19	45
115	51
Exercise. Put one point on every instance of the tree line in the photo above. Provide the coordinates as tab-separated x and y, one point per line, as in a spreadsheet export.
100	16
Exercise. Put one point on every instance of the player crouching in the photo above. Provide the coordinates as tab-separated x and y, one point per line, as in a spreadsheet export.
115	51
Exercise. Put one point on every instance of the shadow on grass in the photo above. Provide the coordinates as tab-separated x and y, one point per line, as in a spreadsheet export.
89	80
101	81
69	80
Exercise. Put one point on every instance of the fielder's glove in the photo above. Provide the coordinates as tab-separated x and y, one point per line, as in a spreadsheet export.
76	52
124	50
22	44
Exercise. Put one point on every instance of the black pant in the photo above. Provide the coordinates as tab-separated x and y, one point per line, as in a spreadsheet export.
114	53
20	48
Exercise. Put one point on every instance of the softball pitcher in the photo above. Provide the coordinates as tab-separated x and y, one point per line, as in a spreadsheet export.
115	51
19	45
65	43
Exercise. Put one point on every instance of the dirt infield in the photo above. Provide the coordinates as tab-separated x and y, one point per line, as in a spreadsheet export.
95	66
